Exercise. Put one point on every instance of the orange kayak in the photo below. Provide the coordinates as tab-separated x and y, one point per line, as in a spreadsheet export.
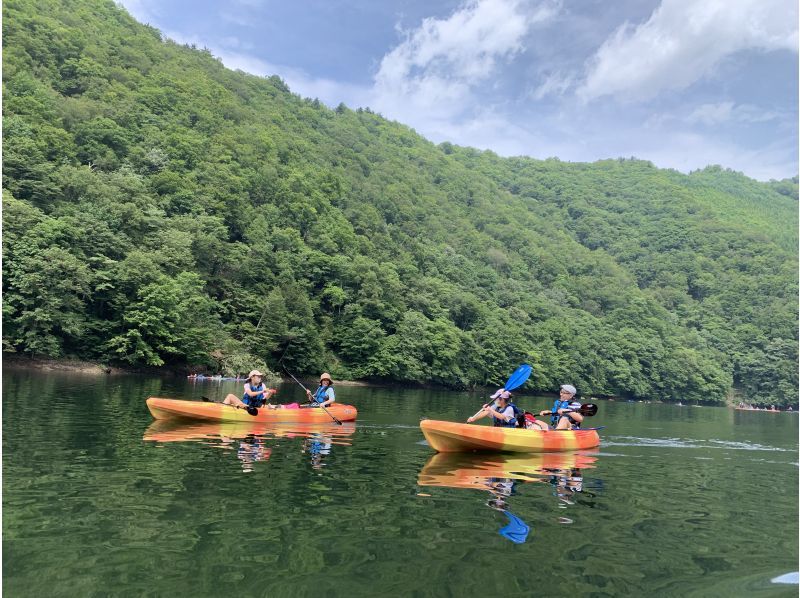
452	437
173	408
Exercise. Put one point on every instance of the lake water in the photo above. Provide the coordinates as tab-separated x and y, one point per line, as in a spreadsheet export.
100	501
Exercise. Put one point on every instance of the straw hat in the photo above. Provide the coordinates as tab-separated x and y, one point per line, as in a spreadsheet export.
254	373
326	376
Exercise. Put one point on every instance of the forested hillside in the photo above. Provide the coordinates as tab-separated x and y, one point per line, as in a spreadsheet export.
159	208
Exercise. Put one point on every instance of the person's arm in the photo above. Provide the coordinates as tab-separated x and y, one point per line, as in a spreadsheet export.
576	417
331	397
483	413
250	392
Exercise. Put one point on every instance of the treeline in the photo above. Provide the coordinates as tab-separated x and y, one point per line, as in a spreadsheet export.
161	209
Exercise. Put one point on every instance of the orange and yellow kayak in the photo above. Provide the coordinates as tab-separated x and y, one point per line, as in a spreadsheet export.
452	437
173	408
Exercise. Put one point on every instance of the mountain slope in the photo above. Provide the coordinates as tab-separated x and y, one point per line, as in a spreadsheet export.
159	208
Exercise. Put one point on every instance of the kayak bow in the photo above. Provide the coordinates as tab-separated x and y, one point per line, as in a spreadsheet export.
452	437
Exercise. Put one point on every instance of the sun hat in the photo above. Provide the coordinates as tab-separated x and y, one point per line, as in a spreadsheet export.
326	376
499	392
568	388
254	373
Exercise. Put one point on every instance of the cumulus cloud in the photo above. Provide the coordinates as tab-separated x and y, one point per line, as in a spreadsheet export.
683	41
439	63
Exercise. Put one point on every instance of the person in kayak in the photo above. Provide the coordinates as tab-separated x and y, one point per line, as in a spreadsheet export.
563	416
324	395
501	411
256	394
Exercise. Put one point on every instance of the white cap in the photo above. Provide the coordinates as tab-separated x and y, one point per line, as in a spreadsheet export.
568	388
501	393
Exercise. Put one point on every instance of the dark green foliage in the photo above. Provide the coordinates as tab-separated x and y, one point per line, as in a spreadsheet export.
160	208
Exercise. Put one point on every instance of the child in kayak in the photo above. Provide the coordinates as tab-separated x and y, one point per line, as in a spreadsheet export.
256	394
563	416
324	395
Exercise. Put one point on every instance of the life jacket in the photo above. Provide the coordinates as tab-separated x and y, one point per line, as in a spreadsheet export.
559	404
258	400
321	394
512	423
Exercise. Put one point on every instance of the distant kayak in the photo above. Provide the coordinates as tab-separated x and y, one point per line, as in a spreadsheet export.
173	408
452	437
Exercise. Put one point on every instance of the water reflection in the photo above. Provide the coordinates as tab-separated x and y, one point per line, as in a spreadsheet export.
500	474
252	440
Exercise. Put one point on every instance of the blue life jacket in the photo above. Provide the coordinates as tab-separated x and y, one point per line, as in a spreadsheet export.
256	401
321	394
512	423
559	404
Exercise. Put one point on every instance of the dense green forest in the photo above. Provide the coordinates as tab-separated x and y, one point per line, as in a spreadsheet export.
160	209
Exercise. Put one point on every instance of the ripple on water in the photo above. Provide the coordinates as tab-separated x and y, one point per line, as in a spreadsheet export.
689	443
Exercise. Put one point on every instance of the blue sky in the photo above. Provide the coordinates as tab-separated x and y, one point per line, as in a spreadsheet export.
683	83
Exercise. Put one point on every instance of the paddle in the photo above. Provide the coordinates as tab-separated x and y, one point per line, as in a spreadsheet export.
250	409
308	391
587	409
515	380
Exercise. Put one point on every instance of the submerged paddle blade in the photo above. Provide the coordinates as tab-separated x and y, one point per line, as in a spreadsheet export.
519	377
516	530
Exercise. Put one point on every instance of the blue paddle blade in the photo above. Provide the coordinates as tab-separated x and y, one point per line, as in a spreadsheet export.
519	377
516	530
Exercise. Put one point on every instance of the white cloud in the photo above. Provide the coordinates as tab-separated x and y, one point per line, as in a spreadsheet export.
714	114
683	41
553	84
438	64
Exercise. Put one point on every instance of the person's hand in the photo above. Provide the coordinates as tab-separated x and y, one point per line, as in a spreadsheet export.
544	413
470	419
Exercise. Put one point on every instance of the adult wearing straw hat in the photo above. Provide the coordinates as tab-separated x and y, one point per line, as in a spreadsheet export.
324	395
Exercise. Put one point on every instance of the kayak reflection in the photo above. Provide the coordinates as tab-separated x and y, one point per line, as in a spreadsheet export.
500	475
251	439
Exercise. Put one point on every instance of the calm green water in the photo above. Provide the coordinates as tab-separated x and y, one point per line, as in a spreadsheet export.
97	501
